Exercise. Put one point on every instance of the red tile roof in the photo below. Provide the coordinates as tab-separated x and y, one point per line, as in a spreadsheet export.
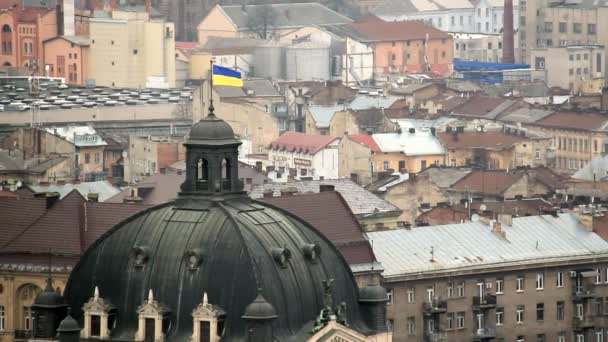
384	31
496	140
366	140
186	45
487	182
441	216
575	120
329	213
31	14
310	143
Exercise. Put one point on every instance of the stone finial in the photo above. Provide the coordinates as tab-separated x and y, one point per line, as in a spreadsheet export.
205	299
150	297
96	294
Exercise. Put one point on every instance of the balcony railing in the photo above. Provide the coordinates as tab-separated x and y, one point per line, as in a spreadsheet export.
582	293
486	302
582	323
435	337
484	333
436	306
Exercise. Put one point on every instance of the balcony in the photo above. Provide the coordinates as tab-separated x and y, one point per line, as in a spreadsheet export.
436	306
435	337
582	323
484	334
582	293
486	302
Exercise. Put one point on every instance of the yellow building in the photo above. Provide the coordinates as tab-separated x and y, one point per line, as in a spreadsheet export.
411	151
131	50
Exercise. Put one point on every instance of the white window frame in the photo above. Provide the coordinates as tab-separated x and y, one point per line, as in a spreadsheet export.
411	295
561	337
580	311
389	296
450	318
519	316
500	286
411	326
559	279
598	276
450	289
2	318
606	275
519	284
500	317
460	289
580	338
540	281
599	335
460	320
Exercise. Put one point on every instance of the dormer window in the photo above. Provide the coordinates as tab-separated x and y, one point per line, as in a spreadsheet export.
99	317
281	256
208	322
140	255
153	323
311	252
194	258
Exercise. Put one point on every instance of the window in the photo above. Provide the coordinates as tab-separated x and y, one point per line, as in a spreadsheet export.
410	295
2	318
577	28
598	306
520	338
537	154
430	293
87	158
385	165
540	338
548	27
450	289
453	20
450	321
598	62
389	296
519	314
540	311
580	310
540	281
500	316
599	335
561	337
460	320
598	276
519	284
96	157
559	279
591	29
580	338
27	318
460	289
499	286
411	325
563	27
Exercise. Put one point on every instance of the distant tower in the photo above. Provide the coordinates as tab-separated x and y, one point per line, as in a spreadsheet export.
508	44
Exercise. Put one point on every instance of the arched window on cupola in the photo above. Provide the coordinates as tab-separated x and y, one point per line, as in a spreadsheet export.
202	176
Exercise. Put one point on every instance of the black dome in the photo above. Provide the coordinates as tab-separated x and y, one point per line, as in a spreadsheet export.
239	245
212	131
49	298
260	309
373	293
68	324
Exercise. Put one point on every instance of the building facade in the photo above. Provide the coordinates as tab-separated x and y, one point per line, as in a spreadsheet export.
67	57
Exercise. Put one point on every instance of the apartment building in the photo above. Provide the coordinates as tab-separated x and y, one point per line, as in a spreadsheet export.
585	65
544	23
537	278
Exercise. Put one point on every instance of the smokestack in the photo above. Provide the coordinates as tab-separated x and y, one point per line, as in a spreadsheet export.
508	48
605	99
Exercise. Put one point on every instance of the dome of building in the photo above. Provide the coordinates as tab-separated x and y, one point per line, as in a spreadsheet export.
373	293
212	130
68	324
49	298
217	241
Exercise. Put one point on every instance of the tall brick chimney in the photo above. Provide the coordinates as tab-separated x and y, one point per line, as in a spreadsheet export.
508	44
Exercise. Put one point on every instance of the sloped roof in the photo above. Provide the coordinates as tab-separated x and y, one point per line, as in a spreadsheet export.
229	45
14	162
331	215
577	121
367	140
104	189
285	15
595	170
480	106
259	88
487	182
360	201
310	143
419	143
530	240
443	215
445	177
77	40
493	140
526	115
398	31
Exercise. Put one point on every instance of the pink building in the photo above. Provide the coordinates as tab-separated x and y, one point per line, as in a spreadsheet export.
67	57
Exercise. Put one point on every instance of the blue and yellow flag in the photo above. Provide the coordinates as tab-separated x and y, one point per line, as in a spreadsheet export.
226	77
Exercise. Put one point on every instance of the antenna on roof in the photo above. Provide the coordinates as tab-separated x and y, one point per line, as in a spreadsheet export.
432	254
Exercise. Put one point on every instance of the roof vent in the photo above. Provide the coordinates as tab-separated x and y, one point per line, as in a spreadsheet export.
281	256
311	252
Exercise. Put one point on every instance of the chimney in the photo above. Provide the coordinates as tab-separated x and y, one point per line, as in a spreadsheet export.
163	170
268	193
433	130
506	219
508	43
93	197
326	188
586	219
412	177
605	99
497	229
289	191
51	199
412	130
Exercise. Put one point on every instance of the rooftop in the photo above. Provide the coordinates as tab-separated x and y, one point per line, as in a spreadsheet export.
383	31
81	136
494	182
290	15
296	141
483	106
445	177
366	140
257	87
419	143
493	140
473	245
104	189
595	170
360	201
576	121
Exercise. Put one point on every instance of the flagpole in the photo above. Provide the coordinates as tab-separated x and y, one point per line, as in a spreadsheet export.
211	109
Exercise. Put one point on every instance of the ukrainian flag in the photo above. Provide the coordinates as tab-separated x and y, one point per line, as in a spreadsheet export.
226	77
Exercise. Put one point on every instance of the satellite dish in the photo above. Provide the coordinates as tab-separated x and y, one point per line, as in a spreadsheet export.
483	207
475	218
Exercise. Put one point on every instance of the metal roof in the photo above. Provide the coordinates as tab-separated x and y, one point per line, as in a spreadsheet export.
420	143
445	177
104	189
531	239
596	170
81	136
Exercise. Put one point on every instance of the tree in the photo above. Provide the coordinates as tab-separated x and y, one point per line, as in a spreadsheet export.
261	20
